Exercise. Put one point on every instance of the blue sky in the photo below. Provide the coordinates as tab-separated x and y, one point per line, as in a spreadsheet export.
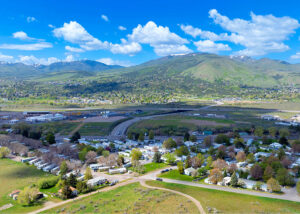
132	32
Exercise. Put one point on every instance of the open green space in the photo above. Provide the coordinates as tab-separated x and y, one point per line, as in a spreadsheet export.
132	198
62	127
228	202
174	174
15	175
95	129
149	167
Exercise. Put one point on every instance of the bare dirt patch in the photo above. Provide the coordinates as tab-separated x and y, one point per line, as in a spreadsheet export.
205	123
102	119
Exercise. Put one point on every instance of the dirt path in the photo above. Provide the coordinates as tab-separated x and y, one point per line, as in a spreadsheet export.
77	128
196	202
50	206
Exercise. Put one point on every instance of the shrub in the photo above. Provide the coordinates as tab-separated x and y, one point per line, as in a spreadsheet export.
47	183
273	185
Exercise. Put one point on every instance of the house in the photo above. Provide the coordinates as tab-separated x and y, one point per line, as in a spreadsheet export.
226	181
275	146
117	171
14	194
73	190
96	181
189	171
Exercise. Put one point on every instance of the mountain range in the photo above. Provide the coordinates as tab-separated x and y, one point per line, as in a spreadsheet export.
200	67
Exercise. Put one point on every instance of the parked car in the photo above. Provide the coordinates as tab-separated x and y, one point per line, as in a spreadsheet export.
159	179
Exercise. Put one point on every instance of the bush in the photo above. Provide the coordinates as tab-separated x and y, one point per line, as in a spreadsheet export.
273	185
47	183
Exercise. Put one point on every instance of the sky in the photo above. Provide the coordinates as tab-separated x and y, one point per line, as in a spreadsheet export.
135	31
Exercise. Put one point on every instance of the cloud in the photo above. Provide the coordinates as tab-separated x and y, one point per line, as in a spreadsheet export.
32	60
295	56
160	38
6	58
194	32
260	35
104	17
27	47
51	26
122	28
30	19
73	32
209	46
69	58
110	61
125	47
73	49
22	35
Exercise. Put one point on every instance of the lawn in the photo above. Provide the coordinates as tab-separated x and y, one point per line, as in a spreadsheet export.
149	167
227	202
132	198
16	175
62	127
174	174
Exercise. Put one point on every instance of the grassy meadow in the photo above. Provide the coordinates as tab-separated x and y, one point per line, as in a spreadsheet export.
228	202
132	198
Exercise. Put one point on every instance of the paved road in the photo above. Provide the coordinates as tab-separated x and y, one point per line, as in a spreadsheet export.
120	130
289	194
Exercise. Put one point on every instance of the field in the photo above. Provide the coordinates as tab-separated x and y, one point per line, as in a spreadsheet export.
174	174
95	129
227	202
16	175
177	124
154	166
131	198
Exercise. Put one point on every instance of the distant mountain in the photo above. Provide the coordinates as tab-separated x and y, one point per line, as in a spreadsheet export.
177	71
75	69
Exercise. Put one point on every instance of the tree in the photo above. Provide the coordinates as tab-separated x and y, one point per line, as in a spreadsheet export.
284	132
234	180
50	138
222	139
72	181
284	177
75	137
215	176
4	152
169	143
138	167
186	136
28	196
241	156
273	185
130	136
273	131
141	137
239	142
157	157
259	131
207	141
151	135
296	146
250	158
63	168
219	164
88	174
209	161
257	186
66	192
180	167
283	141
182	150
105	153
193	138
82	187
201	159
268	173
232	168
136	154
170	158
281	154
90	157
112	146
256	172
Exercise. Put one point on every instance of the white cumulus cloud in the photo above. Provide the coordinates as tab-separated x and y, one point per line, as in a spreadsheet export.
104	17
122	28
125	47
73	49
211	47
22	35
32	60
296	56
6	58
110	61
31	19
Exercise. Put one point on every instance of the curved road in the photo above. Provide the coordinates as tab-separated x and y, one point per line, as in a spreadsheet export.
120	130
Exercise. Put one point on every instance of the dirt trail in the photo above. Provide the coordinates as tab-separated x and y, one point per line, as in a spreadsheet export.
196	202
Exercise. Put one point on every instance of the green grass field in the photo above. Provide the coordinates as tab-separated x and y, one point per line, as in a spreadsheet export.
95	129
131	198
62	127
174	174
149	167
16	175
227	202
